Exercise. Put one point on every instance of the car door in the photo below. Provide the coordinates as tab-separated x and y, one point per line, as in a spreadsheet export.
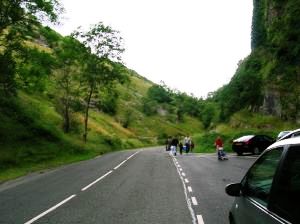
252	206
285	196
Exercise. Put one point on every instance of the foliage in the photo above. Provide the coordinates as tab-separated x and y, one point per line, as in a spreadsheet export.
15	12
103	44
17	18
159	93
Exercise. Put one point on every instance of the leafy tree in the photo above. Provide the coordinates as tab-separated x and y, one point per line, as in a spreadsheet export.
108	99
14	12
35	69
104	45
68	53
17	18
159	93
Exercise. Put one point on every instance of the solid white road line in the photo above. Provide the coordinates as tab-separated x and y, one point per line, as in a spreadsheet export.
186	180
194	200
190	189
100	178
200	219
50	209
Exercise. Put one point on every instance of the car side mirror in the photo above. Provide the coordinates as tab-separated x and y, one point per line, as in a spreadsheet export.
234	189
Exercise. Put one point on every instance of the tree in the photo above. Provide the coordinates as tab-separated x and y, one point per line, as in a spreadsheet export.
13	12
104	45
68	53
16	19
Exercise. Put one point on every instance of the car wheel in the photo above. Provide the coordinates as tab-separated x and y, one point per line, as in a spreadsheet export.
239	153
256	151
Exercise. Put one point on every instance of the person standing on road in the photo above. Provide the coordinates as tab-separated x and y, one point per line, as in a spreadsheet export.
187	143
174	144
219	147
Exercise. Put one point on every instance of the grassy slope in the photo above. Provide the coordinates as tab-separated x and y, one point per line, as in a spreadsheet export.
31	137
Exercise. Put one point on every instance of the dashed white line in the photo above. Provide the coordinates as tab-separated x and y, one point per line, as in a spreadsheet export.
200	219
186	180
183	174
132	155
100	178
120	164
50	209
180	169
187	198
190	189
194	201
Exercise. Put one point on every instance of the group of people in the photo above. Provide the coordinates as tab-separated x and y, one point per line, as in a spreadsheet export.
186	144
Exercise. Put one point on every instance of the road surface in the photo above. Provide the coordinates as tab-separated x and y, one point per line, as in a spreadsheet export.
135	186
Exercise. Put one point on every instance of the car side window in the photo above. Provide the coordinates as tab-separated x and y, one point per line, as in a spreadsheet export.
287	195
258	181
296	134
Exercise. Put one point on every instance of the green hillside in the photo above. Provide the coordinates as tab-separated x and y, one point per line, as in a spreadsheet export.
44	79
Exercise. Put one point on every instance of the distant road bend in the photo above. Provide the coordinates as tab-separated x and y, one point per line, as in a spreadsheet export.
139	186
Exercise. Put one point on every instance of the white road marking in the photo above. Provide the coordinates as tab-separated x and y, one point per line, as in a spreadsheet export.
133	155
120	164
186	180
50	209
188	201
200	219
100	178
190	189
183	174
178	166
180	169
194	200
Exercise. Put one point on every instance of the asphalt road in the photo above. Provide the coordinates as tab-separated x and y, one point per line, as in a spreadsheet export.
138	186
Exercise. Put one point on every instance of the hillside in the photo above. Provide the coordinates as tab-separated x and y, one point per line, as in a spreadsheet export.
267	81
33	134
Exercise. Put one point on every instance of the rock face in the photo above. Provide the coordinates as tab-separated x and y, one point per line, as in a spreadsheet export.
271	103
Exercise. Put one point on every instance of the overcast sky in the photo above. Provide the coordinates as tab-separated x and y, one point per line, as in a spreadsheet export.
191	45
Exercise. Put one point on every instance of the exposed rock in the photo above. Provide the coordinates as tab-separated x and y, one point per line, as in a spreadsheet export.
272	104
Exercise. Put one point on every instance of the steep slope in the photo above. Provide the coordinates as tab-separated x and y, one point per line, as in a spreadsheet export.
267	80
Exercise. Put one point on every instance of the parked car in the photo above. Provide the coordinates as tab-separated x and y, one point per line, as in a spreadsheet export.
282	133
251	143
270	190
291	134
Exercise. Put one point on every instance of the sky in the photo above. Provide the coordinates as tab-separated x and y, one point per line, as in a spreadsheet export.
192	46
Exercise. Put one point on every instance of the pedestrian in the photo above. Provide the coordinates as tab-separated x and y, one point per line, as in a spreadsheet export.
174	144
219	148
187	143
168	143
180	147
192	145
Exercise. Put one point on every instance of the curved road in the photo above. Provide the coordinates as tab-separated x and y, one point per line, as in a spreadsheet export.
137	186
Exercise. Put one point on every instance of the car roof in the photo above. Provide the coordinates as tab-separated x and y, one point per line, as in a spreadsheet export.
290	133
288	141
244	138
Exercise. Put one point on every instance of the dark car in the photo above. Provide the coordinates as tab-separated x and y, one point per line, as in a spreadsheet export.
254	144
269	193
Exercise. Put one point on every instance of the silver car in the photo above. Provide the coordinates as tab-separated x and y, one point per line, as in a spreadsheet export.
270	190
